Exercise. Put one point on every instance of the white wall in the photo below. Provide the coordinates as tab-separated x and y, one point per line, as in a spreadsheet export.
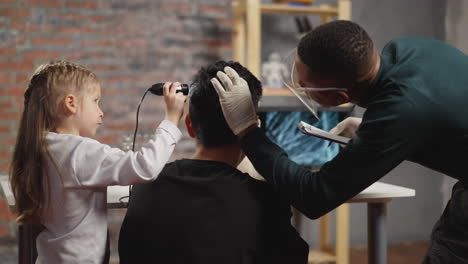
456	34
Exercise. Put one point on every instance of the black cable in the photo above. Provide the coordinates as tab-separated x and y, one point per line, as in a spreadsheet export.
136	126
133	145
156	89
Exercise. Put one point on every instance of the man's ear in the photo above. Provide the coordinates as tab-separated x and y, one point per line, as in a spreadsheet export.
188	123
70	104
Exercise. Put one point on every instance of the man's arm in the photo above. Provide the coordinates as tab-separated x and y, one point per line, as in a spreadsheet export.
384	140
386	137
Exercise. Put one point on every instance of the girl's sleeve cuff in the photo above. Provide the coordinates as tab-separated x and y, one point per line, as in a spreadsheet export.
172	129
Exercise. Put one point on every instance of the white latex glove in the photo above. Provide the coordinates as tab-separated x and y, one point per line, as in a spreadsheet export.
347	128
236	100
247	167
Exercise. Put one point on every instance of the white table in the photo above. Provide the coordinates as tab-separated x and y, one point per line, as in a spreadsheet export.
376	196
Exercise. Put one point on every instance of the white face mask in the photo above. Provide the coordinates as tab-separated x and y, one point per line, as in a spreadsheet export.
301	92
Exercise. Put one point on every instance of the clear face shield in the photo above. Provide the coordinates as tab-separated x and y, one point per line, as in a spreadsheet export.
307	95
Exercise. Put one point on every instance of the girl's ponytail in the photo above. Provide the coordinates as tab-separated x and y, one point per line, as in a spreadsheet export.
27	168
42	113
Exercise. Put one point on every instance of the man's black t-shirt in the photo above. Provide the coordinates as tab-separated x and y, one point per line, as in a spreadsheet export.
200	211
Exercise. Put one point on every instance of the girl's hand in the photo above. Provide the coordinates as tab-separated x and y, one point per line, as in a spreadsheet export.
174	102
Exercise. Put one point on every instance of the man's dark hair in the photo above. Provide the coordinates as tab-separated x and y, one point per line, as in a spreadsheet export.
205	110
339	47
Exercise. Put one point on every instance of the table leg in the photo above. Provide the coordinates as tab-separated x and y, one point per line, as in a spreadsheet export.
377	233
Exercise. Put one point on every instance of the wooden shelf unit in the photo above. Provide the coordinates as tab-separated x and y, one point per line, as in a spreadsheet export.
246	43
246	33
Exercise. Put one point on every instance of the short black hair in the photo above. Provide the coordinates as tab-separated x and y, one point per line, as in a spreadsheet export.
205	111
340	47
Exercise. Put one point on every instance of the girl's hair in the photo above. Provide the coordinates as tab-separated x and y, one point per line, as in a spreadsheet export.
43	112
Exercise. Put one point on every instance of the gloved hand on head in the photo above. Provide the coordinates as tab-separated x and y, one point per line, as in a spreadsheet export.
235	99
347	128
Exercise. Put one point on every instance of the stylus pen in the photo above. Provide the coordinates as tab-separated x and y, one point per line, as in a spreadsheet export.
320	89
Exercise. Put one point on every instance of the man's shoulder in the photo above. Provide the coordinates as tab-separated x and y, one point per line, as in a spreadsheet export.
211	174
206	169
413	42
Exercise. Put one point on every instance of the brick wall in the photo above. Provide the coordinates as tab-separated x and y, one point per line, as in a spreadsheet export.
128	44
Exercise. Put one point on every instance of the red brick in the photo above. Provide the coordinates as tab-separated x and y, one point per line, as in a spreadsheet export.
18	103
18	24
50	41
7	1
15	12
4	166
5	105
3	153
5	213
216	43
5	78
4	231
185	8
81	55
12	90
120	127
7	51
40	28
16	66
8	141
97	43
77	30
109	91
20	41
108	139
104	67
224	22
41	55
87	5
22	78
120	79
46	3
4	128
99	19
70	16
10	116
212	9
133	43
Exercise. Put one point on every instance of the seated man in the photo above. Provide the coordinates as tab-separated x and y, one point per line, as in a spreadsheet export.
204	210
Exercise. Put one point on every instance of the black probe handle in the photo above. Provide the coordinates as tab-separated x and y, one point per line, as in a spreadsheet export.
157	89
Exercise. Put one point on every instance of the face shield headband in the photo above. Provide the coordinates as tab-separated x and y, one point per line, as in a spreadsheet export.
303	93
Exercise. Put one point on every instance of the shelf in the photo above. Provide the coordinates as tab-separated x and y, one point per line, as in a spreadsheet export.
317	257
299	10
278	103
246	49
246	29
285	9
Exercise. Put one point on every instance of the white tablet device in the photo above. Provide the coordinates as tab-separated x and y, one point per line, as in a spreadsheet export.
316	132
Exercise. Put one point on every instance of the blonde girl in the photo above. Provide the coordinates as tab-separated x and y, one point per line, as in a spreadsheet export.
59	173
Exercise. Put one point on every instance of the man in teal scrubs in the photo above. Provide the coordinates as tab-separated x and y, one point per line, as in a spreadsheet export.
415	94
